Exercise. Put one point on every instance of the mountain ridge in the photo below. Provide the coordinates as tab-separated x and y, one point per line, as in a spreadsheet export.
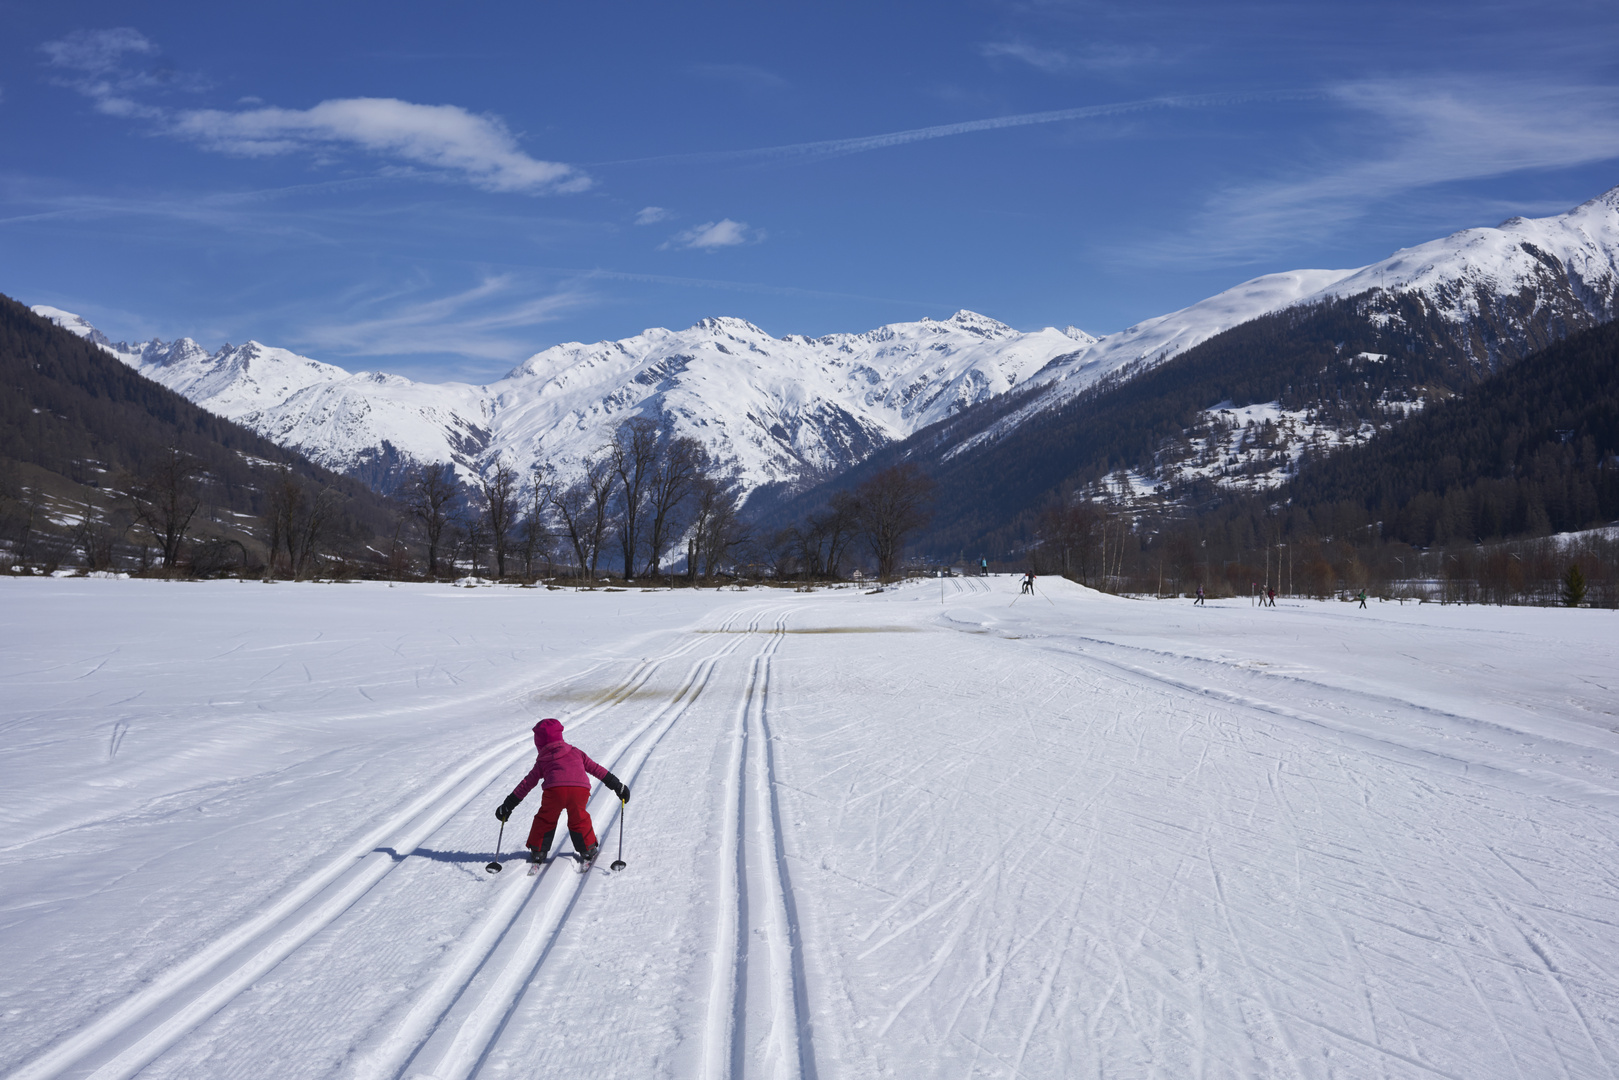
787	412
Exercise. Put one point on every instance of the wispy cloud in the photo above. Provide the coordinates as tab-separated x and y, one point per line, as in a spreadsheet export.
468	323
1093	58
478	149
651	215
1421	134
93	62
712	235
806	151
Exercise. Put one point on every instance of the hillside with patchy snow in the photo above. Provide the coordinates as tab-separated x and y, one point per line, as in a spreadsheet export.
1505	291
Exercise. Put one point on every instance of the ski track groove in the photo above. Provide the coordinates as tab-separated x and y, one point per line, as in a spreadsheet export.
746	997
478	1028
790	1013
283	926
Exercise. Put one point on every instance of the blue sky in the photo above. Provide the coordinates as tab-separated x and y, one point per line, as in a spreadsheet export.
442	190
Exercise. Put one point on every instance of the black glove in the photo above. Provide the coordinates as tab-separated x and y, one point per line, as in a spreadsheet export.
507	807
616	786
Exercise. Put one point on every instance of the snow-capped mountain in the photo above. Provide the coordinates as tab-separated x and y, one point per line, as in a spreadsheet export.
775	409
1505	291
793	408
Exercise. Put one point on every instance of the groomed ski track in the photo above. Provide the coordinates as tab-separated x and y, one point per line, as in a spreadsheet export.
945	830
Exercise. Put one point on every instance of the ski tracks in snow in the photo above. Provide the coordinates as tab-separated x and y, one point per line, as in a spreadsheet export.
758	1011
126	1038
451	1027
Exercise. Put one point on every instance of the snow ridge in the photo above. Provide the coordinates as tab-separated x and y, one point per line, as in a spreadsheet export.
774	409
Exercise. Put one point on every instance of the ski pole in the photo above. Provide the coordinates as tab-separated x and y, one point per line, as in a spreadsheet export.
494	867
618	863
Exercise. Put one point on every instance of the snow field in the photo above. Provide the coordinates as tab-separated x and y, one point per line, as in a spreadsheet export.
939	831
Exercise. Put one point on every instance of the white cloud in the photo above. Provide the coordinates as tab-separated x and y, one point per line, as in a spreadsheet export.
438	136
651	215
478	148
715	234
1424	134
97	59
97	52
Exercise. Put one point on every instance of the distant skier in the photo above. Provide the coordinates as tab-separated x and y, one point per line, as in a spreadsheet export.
983	568
566	787
1028	584
1362	598
1271	592
1199	599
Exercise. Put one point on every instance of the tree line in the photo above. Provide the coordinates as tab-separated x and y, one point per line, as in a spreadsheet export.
1463	502
646	494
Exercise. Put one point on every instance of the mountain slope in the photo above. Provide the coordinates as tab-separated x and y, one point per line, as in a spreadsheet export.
1244	409
1534	449
77	422
1507	291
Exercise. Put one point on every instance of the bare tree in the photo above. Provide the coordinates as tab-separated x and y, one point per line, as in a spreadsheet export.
820	543
634	453
583	508
19	506
431	493
165	498
474	530
98	533
534	532
716	530
674	478
297	523
893	505
1071	534
500	499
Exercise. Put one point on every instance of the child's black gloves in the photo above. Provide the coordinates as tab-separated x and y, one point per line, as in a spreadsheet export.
507	807
616	786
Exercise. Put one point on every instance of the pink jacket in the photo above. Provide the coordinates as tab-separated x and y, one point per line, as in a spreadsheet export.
557	763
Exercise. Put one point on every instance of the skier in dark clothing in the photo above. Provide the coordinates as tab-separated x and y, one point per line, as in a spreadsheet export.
566	787
1272	594
1199	599
1028	583
1363	598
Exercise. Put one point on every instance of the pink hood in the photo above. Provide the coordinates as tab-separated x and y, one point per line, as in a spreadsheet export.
556	764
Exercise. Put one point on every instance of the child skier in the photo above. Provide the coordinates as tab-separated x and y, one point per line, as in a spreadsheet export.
566	786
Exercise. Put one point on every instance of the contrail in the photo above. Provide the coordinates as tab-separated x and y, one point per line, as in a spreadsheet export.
837	147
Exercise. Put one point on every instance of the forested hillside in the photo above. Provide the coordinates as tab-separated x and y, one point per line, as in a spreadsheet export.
1532	450
79	431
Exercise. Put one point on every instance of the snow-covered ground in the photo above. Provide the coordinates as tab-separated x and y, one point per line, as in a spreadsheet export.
938	831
